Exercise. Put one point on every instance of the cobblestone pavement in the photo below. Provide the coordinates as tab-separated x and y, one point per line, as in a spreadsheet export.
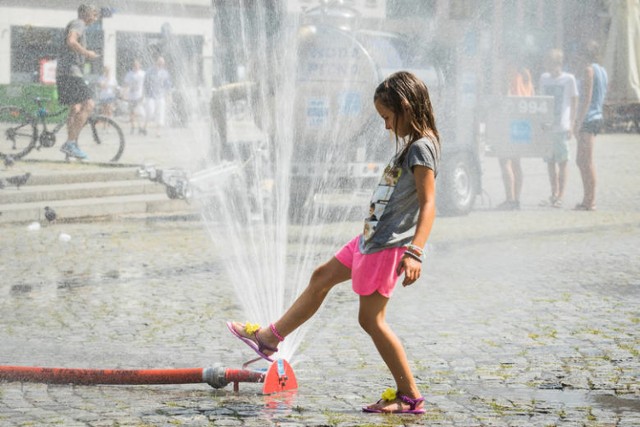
528	318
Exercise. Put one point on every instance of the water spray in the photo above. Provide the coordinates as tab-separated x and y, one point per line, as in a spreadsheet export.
180	184
279	377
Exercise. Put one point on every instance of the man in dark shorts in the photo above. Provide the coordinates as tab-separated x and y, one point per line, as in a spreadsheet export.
72	89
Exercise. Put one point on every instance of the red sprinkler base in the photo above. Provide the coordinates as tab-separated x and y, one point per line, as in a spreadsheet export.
279	377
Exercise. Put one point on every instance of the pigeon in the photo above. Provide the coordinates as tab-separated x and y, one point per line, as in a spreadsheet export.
49	214
18	180
9	161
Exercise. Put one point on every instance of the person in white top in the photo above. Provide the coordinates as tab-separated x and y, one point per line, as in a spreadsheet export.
563	88
134	82
157	85
108	92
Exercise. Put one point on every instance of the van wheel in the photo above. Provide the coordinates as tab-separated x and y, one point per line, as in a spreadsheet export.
458	186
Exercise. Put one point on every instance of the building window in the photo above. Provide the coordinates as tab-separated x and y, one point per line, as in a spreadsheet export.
410	8
29	45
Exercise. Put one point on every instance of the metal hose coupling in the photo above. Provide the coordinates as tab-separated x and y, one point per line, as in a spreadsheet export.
215	376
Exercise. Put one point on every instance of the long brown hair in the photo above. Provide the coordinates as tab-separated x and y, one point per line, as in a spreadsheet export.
406	95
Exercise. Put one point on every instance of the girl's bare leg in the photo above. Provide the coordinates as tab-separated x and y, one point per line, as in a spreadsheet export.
372	319
508	178
584	159
553	179
516	168
323	279
562	179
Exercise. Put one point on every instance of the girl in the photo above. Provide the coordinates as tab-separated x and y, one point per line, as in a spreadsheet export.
520	84
589	123
395	234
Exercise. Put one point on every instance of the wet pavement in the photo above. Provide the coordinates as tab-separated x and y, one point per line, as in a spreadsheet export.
527	318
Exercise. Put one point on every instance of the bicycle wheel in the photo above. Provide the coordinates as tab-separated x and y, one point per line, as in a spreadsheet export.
17	132
102	140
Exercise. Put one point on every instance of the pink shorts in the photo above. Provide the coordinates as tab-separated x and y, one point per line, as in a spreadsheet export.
371	272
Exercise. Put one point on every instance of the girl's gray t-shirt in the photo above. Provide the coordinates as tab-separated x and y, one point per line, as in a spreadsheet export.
393	211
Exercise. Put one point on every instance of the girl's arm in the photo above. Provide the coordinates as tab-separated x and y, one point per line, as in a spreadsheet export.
585	98
426	186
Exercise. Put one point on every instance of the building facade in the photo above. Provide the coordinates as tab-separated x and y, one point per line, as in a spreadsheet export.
462	34
31	33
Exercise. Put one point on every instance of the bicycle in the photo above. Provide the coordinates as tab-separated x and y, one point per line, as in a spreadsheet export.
21	132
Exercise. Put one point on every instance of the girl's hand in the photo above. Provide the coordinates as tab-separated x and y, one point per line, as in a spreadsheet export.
411	268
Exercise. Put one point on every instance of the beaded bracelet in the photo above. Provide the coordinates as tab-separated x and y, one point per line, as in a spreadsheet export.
415	249
276	333
414	256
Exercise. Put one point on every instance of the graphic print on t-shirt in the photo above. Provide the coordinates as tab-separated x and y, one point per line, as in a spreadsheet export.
557	91
381	197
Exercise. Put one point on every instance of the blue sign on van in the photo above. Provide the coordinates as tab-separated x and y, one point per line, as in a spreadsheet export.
350	103
521	132
317	111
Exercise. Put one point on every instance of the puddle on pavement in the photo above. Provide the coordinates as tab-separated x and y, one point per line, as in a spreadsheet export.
617	404
571	398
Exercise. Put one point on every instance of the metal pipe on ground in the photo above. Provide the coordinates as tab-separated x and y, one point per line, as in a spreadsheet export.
278	377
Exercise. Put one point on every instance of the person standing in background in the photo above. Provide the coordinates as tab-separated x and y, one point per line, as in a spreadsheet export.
73	91
157	84
564	90
520	84
134	82
107	95
589	121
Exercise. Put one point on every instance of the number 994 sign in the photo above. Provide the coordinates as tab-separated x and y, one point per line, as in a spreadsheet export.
519	126
538	105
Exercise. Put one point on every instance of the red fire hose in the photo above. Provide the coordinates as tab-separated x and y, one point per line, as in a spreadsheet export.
279	376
